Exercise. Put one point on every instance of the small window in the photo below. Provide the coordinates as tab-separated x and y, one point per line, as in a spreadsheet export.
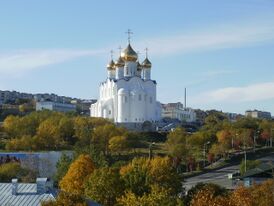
109	112
125	99
140	97
150	100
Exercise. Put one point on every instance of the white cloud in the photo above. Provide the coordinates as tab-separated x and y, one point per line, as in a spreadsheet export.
250	93
17	62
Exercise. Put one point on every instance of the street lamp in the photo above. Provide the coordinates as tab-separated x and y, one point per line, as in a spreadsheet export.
150	149
271	138
205	144
245	150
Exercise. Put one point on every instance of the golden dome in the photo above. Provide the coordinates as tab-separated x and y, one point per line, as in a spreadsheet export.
146	63
139	66
111	65
120	62
129	54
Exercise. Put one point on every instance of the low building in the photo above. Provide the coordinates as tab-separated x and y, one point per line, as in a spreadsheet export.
55	106
22	194
259	174
177	111
258	114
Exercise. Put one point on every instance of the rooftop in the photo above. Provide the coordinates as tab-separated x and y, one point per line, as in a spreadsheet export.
26	195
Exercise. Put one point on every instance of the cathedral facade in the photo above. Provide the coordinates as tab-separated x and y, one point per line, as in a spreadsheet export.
129	94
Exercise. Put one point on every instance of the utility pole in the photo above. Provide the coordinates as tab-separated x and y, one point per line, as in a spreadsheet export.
185	98
254	140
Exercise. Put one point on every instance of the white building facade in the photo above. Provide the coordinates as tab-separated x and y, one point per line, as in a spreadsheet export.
178	111
55	106
129	94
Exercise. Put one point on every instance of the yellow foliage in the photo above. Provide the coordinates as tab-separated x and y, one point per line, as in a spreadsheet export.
263	194
118	144
158	197
80	169
136	162
241	197
206	197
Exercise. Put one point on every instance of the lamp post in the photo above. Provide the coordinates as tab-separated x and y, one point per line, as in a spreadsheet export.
150	150
271	138
245	151
205	144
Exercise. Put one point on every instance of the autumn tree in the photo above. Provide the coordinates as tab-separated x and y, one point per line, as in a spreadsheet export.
158	196
102	135
104	185
79	170
207	196
164	175
47	134
142	173
11	126
263	194
206	188
83	129
118	144
241	196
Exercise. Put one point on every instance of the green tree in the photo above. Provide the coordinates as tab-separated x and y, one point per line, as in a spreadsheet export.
62	167
250	164
66	130
136	176
176	143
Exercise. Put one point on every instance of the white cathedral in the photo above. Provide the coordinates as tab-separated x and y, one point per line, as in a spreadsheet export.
129	94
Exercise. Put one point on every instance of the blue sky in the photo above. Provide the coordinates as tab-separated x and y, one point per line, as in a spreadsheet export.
222	51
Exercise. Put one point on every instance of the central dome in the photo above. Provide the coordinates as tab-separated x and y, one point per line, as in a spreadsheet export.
129	54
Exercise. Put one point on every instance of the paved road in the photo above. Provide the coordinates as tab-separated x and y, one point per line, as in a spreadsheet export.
220	176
